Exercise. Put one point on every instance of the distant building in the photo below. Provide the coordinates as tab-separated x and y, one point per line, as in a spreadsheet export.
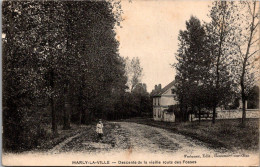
162	99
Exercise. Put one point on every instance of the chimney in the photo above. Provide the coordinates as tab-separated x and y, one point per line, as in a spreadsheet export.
159	87
155	87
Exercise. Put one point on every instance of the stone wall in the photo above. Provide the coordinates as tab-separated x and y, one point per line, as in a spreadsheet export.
231	114
223	114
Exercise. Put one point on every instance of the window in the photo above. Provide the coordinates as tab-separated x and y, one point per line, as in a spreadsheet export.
173	91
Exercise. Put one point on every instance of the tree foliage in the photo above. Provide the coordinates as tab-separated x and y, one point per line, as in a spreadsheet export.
246	42
60	64
221	34
217	57
134	72
193	78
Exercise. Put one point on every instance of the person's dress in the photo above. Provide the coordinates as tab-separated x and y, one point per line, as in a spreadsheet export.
99	128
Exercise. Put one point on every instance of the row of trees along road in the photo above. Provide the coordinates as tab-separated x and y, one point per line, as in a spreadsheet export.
218	61
60	64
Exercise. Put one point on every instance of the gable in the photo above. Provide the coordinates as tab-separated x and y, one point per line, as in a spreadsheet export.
168	91
164	90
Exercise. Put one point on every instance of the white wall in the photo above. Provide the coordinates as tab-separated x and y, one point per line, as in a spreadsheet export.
234	114
157	114
162	103
166	101
169	117
229	114
156	101
167	98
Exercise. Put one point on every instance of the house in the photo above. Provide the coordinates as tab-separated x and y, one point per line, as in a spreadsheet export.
162	99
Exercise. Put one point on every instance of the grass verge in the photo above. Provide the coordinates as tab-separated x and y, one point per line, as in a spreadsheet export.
50	140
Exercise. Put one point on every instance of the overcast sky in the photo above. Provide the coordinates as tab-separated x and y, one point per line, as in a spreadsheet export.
150	31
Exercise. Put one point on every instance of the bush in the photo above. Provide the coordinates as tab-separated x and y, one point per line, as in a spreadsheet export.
179	115
30	136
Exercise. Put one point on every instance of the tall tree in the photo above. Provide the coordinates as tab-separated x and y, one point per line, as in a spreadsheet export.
27	46
246	42
133	72
220	32
66	56
194	63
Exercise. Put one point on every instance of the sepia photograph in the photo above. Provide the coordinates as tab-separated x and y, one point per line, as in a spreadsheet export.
130	83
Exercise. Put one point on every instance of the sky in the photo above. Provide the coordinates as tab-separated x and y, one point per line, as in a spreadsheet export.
150	31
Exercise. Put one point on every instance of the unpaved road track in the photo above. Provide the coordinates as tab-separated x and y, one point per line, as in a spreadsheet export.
152	139
135	138
125	142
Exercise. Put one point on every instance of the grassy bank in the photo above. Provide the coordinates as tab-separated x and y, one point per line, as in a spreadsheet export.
224	133
49	141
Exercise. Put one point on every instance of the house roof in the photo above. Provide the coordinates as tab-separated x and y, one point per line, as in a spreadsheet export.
163	90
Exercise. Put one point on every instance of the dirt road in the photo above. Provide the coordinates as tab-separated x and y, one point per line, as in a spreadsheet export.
126	143
120	136
152	139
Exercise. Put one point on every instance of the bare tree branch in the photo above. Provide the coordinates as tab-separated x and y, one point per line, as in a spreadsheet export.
249	8
240	51
253	53
252	43
254	27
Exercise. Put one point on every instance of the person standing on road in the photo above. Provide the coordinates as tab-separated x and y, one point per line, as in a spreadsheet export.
99	130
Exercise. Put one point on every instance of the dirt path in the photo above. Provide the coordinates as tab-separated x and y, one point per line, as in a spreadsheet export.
152	139
125	142
133	137
58	147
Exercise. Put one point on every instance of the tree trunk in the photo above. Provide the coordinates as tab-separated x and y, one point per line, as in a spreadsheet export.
80	116
66	116
53	111
242	80
67	108
81	108
243	112
243	100
199	115
53	115
216	99
66	120
91	116
213	116
192	111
